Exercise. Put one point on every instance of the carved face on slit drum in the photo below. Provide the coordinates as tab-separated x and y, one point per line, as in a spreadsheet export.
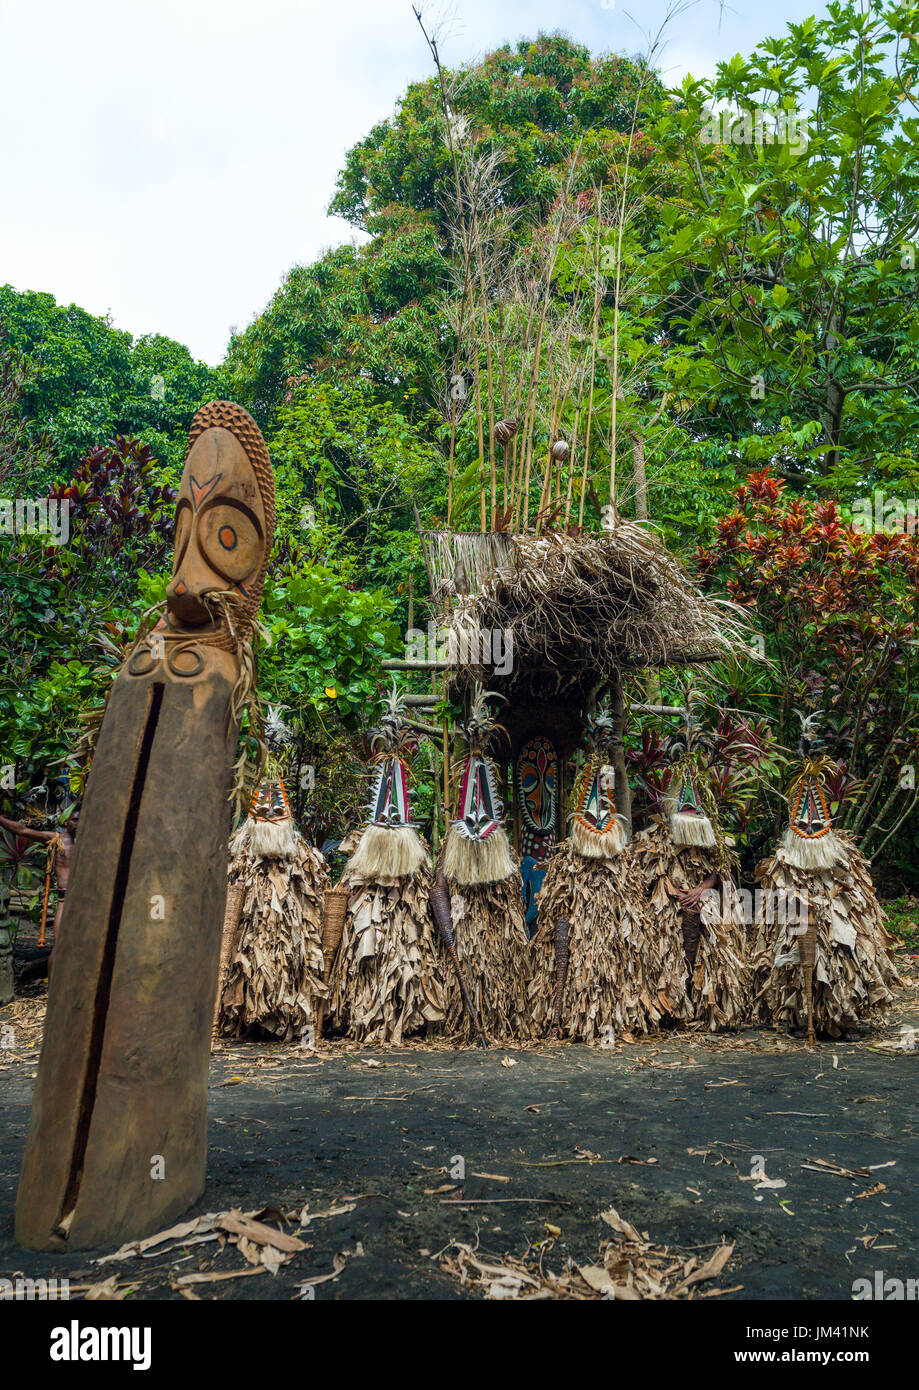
224	519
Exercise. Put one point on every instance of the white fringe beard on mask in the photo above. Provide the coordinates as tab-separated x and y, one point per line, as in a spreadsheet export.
812	854
385	856
469	863
591	845
266	839
692	830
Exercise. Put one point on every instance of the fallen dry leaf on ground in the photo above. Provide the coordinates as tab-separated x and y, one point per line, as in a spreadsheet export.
628	1269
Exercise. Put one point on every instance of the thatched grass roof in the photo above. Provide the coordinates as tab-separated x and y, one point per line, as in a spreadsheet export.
580	607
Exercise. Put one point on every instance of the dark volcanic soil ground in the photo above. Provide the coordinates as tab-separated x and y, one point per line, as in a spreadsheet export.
668	1132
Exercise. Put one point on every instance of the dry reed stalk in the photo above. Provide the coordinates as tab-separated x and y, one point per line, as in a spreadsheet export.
520	436
574	444
488	365
593	352
622	219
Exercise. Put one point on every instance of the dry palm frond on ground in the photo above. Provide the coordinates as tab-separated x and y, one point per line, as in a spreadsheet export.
628	1267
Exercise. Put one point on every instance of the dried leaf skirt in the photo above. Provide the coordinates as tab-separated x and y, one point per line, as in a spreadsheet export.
615	980
274	975
494	953
387	980
717	979
853	974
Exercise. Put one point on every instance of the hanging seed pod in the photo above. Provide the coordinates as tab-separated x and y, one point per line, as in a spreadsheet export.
560	450
505	431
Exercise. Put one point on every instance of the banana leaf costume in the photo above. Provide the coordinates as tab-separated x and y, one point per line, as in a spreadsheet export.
271	975
485	901
684	850
387	979
594	972
821	958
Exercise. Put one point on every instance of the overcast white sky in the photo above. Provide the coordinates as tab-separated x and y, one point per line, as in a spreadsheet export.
167	163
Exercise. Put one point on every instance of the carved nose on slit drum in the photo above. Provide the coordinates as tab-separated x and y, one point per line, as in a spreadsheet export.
107	967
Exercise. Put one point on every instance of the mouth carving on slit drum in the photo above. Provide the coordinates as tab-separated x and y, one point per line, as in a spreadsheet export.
117	1137
107	967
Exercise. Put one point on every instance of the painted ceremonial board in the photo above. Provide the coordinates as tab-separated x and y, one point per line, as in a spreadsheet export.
536	784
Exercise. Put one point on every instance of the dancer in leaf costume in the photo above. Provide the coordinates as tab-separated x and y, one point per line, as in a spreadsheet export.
688	870
387	979
484	898
271	960
593	978
821	959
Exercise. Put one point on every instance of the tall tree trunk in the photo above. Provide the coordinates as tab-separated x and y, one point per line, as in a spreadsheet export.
639	476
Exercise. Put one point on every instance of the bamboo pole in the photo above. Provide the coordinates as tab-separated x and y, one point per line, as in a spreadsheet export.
623	792
488	363
593	354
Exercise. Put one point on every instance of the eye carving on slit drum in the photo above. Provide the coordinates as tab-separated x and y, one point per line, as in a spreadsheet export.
229	539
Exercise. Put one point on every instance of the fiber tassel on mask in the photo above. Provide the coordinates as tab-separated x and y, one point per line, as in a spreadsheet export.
710	942
692	830
853	977
472	863
273	979
387	854
592	844
266	839
809	855
616	983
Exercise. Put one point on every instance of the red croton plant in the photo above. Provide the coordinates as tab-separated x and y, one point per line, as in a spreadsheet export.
836	610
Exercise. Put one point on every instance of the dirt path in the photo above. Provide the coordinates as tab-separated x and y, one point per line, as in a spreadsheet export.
668	1132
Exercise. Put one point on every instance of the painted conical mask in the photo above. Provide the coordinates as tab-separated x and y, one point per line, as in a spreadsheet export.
810	841
477	850
390	848
689	823
479	808
597	831
389	804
